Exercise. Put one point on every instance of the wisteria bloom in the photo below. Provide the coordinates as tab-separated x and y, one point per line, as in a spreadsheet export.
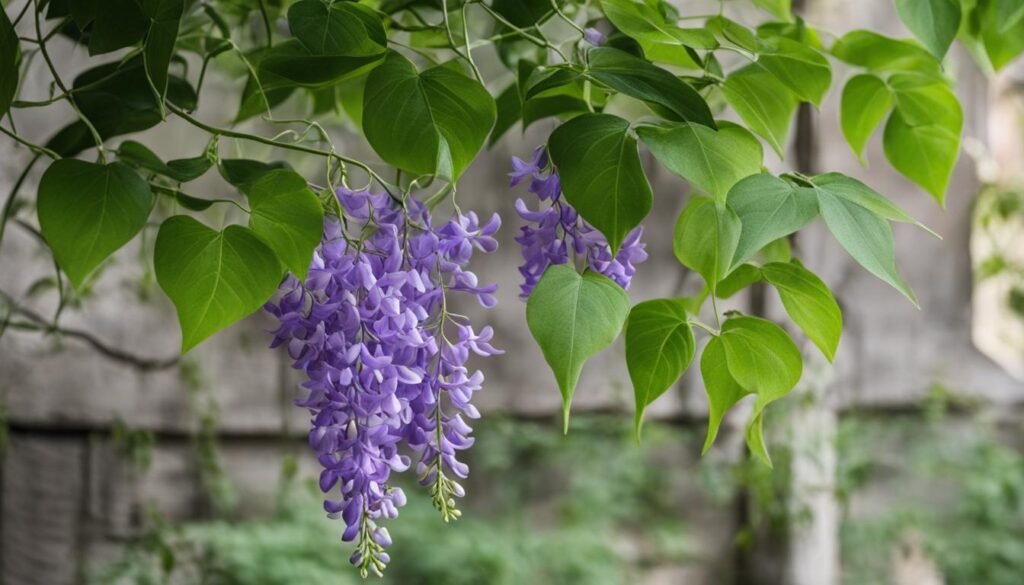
555	230
594	36
385	359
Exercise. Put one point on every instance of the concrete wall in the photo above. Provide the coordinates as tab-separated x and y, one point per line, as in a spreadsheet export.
65	496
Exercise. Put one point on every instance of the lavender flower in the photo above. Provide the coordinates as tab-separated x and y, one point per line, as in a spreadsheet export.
594	36
385	360
555	230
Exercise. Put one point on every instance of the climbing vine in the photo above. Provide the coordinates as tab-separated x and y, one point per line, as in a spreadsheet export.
358	268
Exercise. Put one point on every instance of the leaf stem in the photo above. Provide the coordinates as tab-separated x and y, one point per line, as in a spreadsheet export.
285	145
60	83
705	327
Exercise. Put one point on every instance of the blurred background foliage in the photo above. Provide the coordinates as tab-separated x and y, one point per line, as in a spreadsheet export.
598	509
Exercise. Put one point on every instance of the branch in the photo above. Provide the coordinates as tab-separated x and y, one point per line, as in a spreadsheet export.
39	323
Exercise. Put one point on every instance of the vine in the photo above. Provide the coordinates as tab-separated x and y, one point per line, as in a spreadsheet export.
368	319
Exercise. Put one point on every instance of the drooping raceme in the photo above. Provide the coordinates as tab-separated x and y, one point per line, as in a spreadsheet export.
385	358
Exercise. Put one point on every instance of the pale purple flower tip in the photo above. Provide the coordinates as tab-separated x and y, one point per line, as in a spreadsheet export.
594	36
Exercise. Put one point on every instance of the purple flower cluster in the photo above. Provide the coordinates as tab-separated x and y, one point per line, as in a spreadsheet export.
384	357
556	228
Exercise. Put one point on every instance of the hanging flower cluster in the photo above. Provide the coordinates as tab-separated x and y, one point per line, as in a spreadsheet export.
556	228
385	358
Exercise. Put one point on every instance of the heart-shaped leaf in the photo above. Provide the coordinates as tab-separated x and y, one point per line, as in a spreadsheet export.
213	278
762	359
922	137
866	101
332	42
429	123
288	216
803	70
659	348
705	238
712	160
808	302
769	208
600	172
763	102
934	22
573	317
87	211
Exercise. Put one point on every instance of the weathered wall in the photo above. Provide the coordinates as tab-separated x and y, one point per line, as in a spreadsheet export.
64	494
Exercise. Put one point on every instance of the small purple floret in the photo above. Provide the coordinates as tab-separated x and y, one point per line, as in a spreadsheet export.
555	231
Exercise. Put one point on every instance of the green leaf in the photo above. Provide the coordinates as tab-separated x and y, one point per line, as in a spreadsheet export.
1003	40
844	187
880	53
332	42
180	170
643	23
337	28
599	168
924	154
705	238
659	348
762	359
192	203
743	276
644	81
780	9
763	102
755	439
934	22
1009	13
735	33
509	111
263	93
554	92
544	79
244	173
522	13
769	208
290	63
120	24
87	211
922	136
865	103
722	389
158	47
10	56
573	317
117	99
805	71
288	216
865	235
213	278
429	123
808	302
712	160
